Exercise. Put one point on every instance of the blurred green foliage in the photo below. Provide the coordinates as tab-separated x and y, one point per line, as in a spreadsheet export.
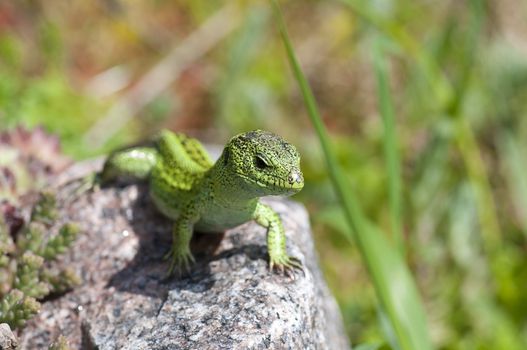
458	80
401	311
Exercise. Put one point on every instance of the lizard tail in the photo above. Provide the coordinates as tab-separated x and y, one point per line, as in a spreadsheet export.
131	164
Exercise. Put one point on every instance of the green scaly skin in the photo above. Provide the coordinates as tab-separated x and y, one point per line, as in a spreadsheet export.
196	193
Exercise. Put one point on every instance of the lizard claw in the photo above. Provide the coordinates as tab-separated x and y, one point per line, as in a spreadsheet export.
180	261
286	265
76	187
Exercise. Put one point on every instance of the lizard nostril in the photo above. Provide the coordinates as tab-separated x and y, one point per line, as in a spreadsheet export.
294	177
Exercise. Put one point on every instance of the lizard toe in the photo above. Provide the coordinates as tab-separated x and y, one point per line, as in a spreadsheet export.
180	261
286	265
77	187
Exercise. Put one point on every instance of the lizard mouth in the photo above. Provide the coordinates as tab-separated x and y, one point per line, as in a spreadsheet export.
277	183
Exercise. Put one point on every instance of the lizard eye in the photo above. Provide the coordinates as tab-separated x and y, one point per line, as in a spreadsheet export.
260	162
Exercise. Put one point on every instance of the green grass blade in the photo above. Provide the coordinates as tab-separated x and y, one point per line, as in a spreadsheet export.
466	138
439	84
511	152
450	100
390	146
394	285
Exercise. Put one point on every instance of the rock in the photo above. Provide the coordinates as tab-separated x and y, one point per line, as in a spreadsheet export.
230	300
8	340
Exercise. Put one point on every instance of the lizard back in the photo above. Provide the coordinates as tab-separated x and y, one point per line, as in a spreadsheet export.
182	164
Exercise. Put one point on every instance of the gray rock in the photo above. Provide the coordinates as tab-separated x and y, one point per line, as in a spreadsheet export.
8	340
229	301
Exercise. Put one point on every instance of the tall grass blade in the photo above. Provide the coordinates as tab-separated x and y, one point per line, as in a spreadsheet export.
511	151
391	278
442	89
449	100
391	151
466	139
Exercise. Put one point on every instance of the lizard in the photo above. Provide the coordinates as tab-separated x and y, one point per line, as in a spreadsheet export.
198	194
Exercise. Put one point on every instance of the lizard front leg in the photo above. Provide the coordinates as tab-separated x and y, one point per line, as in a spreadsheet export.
180	255
276	247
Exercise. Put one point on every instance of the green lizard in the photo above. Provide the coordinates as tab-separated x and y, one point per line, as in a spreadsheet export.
188	187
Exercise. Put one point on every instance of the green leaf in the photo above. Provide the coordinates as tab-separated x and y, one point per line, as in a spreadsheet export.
511	151
391	151
374	346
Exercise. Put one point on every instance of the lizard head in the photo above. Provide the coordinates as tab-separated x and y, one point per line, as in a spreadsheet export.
264	163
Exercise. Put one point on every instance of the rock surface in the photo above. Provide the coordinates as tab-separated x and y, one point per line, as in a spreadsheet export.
229	301
8	340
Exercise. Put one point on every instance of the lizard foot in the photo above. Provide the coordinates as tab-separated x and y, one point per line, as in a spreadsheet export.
285	264
180	261
76	187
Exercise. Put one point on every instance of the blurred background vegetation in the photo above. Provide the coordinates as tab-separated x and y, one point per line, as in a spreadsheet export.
102	74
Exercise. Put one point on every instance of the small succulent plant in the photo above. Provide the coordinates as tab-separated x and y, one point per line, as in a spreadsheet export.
29	159
26	254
